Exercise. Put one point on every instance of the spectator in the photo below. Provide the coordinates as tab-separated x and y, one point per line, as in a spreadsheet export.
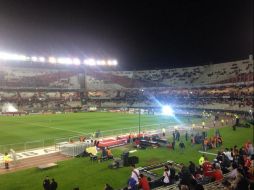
6	160
186	136
173	145
46	183
109	154
143	182
53	184
192	168
134	174
207	168
172	173
201	160
185	175
166	176
132	184
182	146
217	174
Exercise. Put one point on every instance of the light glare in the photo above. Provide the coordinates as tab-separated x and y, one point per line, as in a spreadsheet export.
52	60
167	110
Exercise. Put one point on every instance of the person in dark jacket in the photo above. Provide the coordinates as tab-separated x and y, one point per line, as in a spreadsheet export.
192	168
53	184
46	183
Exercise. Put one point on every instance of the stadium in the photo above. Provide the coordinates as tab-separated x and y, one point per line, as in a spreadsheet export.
46	107
72	121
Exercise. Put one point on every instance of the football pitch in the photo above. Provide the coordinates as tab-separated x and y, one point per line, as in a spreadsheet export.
35	131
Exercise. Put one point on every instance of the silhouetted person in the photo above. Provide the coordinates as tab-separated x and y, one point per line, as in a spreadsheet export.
46	183
53	185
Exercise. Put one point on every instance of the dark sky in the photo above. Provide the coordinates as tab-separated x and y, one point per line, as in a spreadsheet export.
140	34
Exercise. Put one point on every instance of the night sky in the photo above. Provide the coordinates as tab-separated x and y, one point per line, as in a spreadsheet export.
140	34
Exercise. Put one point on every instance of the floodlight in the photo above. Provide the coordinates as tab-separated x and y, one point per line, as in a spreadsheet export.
114	62
64	60
76	61
109	62
101	62
34	58
15	57
167	110
52	60
90	62
42	59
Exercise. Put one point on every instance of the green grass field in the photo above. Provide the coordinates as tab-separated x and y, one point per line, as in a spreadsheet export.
92	175
81	171
18	130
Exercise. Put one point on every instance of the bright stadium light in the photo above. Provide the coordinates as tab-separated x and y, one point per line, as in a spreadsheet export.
13	57
76	61
114	62
89	62
34	58
52	60
167	110
41	59
64	60
61	60
101	62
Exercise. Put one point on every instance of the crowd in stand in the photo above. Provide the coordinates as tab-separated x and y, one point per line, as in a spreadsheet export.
234	168
235	97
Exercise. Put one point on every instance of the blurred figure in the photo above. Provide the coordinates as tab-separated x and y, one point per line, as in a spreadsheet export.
53	184
143	183
108	187
46	183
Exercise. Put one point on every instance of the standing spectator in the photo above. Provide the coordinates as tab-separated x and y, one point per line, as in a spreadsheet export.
166	176
53	184
186	136
172	173
6	160
182	146
174	135
192	168
185	175
135	174
46	183
205	144
163	132
201	160
192	140
173	145
143	182
178	135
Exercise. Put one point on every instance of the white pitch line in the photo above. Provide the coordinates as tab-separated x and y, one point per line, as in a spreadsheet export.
79	132
35	124
207	153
